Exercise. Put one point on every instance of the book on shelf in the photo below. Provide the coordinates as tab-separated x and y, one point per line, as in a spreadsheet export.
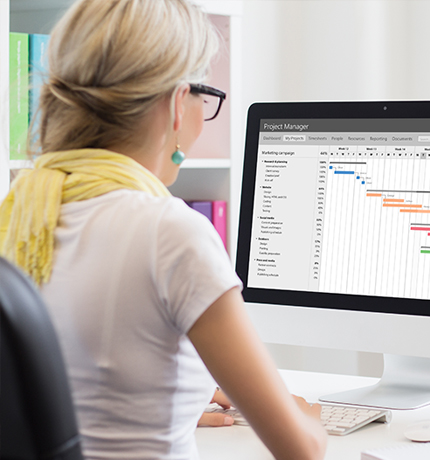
38	64
216	212
28	65
203	207
18	94
219	219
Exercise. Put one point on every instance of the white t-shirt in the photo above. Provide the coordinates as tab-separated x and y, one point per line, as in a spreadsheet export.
132	273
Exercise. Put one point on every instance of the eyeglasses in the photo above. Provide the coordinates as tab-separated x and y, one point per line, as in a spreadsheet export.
213	99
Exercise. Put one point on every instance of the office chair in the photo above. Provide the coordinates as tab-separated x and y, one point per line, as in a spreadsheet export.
37	415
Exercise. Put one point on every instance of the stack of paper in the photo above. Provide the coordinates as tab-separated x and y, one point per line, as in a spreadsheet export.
410	451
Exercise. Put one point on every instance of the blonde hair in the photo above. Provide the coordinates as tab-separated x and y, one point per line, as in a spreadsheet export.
110	61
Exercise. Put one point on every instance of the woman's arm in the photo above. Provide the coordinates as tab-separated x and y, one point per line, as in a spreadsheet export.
234	354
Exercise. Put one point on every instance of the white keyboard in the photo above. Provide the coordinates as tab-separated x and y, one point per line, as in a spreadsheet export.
337	420
342	420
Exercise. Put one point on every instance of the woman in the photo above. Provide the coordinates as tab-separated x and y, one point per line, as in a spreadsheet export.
139	286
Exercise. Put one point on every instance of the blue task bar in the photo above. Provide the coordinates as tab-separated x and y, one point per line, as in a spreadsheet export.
344	172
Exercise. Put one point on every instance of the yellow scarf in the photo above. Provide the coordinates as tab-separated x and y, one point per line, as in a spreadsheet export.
30	212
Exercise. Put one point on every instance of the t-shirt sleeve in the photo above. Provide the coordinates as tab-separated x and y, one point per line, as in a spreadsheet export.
193	267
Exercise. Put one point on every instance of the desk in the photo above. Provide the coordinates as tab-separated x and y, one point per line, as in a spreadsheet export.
240	443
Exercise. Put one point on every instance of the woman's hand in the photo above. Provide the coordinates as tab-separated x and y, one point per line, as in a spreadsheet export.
242	365
221	399
215	418
313	410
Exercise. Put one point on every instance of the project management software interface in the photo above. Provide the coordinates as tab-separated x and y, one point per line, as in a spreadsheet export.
342	206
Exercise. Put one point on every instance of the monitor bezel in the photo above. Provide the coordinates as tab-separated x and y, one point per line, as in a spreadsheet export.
315	110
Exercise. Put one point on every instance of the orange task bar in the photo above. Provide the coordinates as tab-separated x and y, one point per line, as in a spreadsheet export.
392	200
402	205
374	194
415	210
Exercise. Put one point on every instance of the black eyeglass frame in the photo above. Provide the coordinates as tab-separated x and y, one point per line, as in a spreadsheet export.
211	91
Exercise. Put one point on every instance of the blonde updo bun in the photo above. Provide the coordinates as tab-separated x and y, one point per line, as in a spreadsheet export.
110	61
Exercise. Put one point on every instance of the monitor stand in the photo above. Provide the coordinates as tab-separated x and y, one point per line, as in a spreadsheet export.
405	384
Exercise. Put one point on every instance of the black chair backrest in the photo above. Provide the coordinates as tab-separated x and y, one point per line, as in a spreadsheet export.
36	413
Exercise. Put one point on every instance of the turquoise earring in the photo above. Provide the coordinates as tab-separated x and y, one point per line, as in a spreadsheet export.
178	156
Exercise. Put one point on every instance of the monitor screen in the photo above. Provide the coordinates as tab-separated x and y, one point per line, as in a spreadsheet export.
335	209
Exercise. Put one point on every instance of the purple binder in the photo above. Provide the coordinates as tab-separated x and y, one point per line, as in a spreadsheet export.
204	207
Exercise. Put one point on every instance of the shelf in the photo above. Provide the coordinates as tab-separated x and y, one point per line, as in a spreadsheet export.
20	164
33	5
222	7
206	163
213	165
192	163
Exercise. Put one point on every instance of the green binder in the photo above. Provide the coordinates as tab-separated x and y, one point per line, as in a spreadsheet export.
18	95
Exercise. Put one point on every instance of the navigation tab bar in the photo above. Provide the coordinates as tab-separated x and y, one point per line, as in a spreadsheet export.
340	138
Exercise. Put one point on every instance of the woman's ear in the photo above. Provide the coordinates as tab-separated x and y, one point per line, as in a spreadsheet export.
181	94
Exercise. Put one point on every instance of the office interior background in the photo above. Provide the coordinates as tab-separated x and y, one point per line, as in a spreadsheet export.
321	50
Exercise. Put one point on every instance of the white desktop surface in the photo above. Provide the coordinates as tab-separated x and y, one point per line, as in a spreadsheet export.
240	443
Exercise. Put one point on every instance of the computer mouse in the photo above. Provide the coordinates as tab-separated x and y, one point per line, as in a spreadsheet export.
419	432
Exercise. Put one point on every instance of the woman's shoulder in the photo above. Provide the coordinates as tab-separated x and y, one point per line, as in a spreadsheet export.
167	215
170	211
126	200
179	217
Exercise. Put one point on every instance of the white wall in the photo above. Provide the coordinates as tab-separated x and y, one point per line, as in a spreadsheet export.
316	50
336	49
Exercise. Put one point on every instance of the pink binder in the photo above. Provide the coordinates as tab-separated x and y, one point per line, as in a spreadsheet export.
219	219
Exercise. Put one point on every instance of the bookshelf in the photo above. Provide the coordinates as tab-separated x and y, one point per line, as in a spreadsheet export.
4	97
212	170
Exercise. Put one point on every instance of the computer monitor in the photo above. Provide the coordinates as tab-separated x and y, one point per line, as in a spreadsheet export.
334	235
